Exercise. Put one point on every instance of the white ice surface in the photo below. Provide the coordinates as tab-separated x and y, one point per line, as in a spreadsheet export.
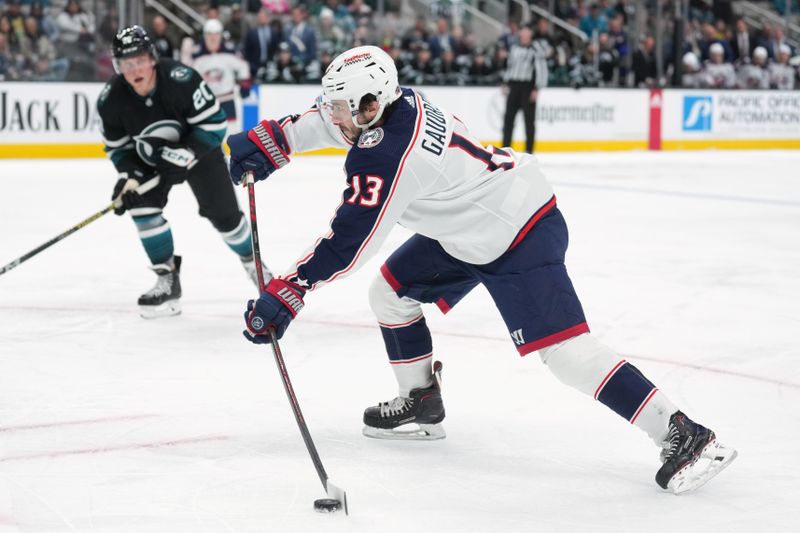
688	264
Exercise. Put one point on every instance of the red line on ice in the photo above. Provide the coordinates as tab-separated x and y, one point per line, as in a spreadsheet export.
89	451
133	312
45	425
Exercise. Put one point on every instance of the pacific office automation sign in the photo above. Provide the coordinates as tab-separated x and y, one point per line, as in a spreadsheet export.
732	115
49	113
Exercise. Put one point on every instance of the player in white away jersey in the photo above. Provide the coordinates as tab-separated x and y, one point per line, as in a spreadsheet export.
482	215
222	69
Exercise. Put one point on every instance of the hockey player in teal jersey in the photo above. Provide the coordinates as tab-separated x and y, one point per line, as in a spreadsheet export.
161	121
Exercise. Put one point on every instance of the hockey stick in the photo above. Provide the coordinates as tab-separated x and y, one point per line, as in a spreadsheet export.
330	489
141	189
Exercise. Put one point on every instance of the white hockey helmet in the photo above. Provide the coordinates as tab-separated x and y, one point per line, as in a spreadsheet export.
716	49
360	71
690	61
212	26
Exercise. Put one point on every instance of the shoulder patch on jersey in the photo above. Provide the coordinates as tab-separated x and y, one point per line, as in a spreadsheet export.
370	138
181	74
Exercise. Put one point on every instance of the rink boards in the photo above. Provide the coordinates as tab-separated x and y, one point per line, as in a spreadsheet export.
57	120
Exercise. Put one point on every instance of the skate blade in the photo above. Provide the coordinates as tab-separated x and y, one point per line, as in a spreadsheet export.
712	460
425	432
166	309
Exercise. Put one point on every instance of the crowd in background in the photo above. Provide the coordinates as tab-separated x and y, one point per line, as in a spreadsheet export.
286	42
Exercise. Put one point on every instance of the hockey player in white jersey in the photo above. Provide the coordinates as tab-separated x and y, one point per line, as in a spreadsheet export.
781	73
754	74
718	73
223	70
482	215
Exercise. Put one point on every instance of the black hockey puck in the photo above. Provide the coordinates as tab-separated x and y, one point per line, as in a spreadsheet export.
327	505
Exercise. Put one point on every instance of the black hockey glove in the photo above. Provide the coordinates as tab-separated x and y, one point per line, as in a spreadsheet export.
124	195
262	151
275	309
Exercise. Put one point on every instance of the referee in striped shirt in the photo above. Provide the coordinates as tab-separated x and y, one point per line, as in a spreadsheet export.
526	71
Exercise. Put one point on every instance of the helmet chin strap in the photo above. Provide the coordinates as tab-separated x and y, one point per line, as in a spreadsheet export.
369	124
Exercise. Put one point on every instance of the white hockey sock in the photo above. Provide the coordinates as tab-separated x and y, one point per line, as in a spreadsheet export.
415	375
653	419
585	364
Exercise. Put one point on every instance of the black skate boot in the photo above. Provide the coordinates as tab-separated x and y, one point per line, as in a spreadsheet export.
163	299
691	456
423	407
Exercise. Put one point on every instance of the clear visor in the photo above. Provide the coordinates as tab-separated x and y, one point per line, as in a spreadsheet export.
130	64
335	112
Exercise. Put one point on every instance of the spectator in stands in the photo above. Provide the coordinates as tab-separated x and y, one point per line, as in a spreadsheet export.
742	43
594	21
608	62
330	36
481	71
441	40
644	64
692	75
463	44
284	68
233	27
47	24
359	9
107	28
423	68
781	73
450	73
76	25
260	44
773	45
162	42
753	74
301	37
719	72
511	36
276	7
15	17
13	40
417	34
710	37
619	40
77	40
36	45
6	62
326	55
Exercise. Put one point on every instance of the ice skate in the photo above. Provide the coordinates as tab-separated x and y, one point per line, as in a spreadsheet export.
423	408
249	265
164	298
691	456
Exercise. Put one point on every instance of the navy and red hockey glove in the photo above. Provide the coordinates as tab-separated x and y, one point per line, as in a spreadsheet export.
262	151
275	309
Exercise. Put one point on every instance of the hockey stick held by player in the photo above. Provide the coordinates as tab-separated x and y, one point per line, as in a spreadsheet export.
482	215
